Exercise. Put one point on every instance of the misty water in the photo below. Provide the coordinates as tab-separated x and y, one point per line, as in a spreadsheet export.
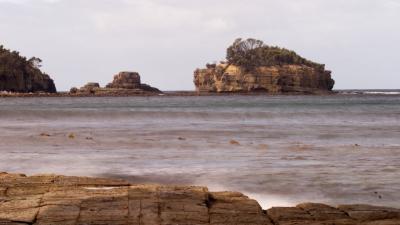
331	149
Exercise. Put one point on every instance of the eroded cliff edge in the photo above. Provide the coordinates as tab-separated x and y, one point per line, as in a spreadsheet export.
52	199
252	66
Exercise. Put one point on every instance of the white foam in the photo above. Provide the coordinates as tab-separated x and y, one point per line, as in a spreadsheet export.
267	201
382	92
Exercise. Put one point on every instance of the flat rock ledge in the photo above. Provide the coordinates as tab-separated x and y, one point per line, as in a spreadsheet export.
52	199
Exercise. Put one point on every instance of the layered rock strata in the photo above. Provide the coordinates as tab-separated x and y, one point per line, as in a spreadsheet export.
52	199
271	79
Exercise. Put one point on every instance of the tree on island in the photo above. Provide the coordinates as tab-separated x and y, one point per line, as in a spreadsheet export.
251	53
19	74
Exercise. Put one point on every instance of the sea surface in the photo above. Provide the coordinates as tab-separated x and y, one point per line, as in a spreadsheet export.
280	150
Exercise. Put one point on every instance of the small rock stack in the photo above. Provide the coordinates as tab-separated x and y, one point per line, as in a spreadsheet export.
123	84
125	80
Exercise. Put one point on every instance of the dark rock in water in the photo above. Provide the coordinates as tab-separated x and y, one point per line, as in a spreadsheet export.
89	88
73	90
148	88
18	74
125	80
124	84
91	85
130	80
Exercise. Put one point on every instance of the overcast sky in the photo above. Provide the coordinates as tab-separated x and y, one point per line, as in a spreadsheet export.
166	40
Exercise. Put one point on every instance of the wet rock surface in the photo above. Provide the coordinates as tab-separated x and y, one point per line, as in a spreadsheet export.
53	199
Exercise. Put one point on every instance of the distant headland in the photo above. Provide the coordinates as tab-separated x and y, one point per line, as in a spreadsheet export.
250	67
19	74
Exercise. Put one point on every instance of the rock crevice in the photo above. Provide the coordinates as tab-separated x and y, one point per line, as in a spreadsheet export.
52	199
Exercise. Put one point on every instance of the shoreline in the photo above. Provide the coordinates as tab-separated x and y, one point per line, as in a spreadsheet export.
394	92
125	93
179	94
54	199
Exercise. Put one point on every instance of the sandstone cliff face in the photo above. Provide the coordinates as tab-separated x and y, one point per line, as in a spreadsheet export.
272	79
52	200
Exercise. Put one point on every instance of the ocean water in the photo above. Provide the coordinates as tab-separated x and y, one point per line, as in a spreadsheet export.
280	150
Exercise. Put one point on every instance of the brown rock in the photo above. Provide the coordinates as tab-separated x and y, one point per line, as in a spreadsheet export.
130	80
124	84
45	135
367	212
20	209
125	80
52	199
273	79
234	142
235	208
323	212
71	135
288	214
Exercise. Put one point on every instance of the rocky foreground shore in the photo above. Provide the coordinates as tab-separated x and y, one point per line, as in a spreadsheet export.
52	199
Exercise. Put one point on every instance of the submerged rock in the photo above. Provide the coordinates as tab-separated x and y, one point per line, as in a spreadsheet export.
53	199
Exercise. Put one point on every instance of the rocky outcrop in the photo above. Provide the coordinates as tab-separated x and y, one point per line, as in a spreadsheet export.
270	79
17	74
124	84
27	83
125	80
52	199
130	80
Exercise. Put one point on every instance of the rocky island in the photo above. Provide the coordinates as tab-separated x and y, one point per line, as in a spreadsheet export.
252	66
123	84
53	199
19	74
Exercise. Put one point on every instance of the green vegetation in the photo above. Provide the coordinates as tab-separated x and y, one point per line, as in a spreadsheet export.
11	63
252	53
19	74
